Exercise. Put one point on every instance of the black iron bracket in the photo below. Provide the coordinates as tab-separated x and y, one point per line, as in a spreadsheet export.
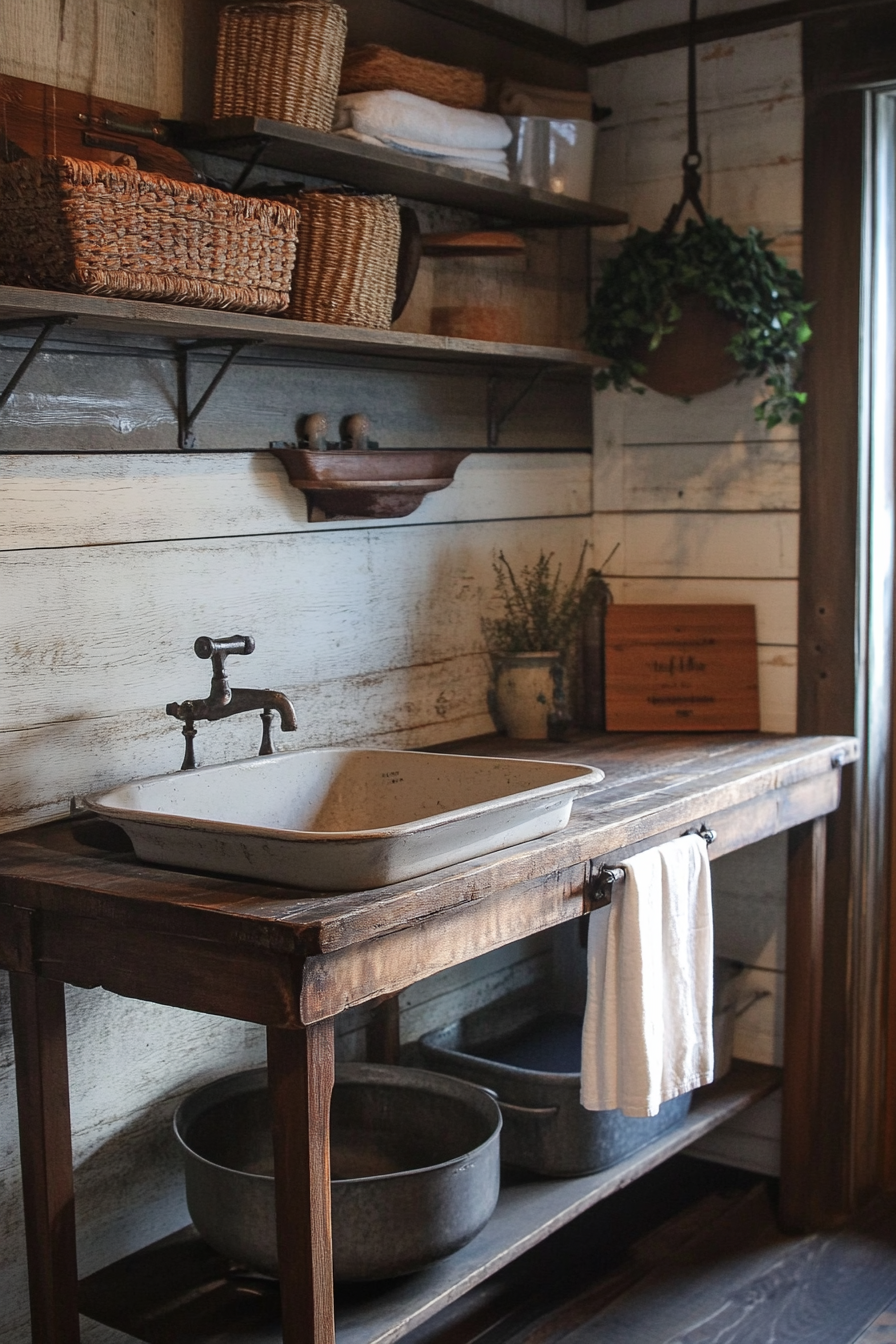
33	351
495	414
187	415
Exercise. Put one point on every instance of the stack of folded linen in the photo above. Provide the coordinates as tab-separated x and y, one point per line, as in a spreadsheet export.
397	120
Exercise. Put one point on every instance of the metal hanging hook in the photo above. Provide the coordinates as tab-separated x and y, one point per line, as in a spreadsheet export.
693	159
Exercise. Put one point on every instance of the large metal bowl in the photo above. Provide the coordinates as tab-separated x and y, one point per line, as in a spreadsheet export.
415	1162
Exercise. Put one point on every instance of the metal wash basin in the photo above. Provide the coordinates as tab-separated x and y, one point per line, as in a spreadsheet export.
343	819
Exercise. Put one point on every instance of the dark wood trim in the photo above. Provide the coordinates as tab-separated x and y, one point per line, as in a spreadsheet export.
844	490
829	524
502	26
45	1145
804	1113
718	27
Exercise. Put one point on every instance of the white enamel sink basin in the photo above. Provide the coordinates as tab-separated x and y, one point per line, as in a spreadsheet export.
343	819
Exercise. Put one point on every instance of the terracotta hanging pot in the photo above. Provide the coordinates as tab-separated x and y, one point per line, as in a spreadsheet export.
693	358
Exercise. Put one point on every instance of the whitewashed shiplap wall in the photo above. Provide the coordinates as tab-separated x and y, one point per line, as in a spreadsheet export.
703	503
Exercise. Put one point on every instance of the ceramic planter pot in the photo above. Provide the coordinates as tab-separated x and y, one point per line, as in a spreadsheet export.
693	358
524	693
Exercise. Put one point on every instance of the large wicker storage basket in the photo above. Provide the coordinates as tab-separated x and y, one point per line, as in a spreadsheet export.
280	61
373	67
347	259
97	229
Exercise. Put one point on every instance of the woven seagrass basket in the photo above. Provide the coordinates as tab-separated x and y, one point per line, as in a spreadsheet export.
97	229
347	259
280	61
371	67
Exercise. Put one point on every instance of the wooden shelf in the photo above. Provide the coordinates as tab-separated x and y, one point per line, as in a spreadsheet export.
176	322
177	1290
323	154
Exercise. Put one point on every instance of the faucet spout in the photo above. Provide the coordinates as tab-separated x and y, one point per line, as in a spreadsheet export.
244	698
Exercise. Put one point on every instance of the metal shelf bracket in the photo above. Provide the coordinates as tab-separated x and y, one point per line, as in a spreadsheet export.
187	415
496	415
31	354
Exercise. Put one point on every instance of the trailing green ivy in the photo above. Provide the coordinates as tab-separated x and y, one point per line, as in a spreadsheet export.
640	292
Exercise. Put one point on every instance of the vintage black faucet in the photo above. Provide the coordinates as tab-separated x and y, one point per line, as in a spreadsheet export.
223	700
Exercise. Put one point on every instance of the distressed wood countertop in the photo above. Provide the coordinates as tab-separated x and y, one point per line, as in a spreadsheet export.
77	912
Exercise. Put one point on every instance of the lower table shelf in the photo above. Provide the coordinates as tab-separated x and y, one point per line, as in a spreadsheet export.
178	1290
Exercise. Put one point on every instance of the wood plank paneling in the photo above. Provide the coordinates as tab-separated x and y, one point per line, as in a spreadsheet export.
105	400
717	545
700	477
83	692
67	501
80	44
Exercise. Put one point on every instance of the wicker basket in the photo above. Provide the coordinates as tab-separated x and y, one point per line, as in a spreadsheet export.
348	259
97	229
280	61
371	67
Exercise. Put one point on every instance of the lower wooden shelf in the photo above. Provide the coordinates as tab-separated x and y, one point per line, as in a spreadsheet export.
178	1290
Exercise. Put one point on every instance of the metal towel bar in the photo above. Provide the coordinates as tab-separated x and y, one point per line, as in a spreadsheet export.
600	882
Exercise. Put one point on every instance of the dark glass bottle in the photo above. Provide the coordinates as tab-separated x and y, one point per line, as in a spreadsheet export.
595	600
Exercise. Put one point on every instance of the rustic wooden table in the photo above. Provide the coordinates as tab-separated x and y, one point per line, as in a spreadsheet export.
73	912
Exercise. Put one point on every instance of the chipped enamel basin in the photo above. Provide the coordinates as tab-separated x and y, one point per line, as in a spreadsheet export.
342	818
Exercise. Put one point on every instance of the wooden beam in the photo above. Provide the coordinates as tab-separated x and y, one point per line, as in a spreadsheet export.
718	27
507	29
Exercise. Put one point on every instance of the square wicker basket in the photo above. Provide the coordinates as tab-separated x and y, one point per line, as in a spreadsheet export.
97	229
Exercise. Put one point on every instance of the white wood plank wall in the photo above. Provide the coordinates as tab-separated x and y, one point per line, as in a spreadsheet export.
703	501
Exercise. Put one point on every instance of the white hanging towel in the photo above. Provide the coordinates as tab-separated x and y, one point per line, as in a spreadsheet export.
647	1034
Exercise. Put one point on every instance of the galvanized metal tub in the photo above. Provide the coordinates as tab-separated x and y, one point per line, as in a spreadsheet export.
531	1058
415	1160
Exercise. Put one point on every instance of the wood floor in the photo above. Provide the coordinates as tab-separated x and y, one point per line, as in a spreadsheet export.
690	1255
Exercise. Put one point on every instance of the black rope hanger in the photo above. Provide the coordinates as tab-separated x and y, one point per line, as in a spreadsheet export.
690	164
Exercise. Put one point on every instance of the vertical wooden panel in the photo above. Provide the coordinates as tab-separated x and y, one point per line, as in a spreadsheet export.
45	1142
300	1078
827	673
803	1197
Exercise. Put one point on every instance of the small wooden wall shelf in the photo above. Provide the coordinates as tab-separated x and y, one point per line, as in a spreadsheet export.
370	484
277	144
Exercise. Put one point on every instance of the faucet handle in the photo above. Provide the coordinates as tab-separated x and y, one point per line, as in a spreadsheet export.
222	648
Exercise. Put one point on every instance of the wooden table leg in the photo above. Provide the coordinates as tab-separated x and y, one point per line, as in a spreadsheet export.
384	1032
300	1078
45	1142
803	1104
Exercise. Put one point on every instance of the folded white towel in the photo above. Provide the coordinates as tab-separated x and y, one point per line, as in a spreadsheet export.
395	113
647	1035
490	161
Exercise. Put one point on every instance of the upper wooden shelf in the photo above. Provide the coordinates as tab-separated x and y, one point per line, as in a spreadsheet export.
322	154
90	312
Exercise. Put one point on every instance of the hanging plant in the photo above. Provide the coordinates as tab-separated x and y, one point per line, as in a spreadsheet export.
644	290
687	312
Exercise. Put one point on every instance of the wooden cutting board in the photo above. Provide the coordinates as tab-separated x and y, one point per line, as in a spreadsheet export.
38	119
681	669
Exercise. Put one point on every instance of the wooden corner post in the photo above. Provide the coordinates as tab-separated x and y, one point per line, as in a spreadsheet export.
300	1079
802	1201
45	1143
